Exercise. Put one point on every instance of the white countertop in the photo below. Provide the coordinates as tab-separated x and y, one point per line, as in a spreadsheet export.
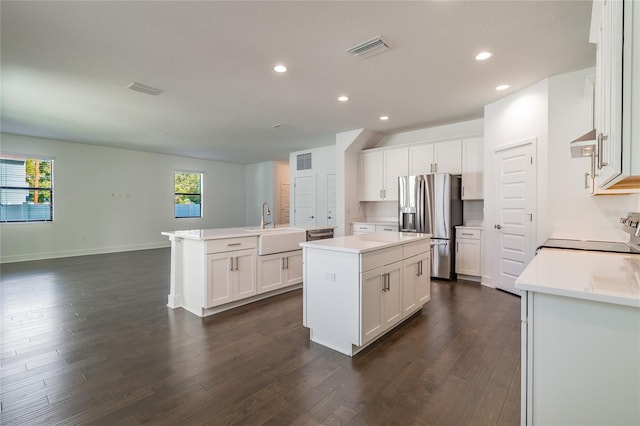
366	242
469	227
242	231
602	277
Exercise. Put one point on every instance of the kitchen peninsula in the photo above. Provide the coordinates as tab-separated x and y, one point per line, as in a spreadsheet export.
213	270
359	287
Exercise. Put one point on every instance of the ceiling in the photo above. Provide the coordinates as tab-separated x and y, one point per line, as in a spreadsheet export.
66	67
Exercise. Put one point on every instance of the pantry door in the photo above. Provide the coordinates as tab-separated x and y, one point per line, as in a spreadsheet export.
515	184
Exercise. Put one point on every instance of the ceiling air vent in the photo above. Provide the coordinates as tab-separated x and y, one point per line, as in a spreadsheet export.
369	48
139	87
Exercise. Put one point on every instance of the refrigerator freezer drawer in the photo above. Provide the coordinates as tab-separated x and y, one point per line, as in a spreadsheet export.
441	259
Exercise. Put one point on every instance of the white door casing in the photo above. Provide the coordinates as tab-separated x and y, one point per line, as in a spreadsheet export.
304	198
331	199
514	174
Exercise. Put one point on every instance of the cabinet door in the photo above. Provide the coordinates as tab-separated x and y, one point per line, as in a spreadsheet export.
448	157
245	274
421	159
609	92
423	283
415	283
371	176
468	257
371	319
472	169
395	165
220	276
392	297
270	272
293	263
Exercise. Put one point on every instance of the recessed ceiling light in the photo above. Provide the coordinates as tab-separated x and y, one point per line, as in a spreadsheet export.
384	117
343	98
483	55
280	68
502	87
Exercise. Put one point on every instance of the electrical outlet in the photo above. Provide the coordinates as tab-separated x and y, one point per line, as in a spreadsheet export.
330	276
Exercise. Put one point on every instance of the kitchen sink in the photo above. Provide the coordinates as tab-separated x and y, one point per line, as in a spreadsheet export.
279	240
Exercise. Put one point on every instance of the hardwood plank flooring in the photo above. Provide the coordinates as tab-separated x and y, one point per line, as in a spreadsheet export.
90	340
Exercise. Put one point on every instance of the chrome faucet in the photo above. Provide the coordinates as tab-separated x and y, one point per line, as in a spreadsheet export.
263	222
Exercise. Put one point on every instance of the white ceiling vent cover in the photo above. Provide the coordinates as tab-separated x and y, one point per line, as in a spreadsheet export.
369	48
139	87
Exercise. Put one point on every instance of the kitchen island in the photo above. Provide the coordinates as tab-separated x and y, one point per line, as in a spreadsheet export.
580	338
359	287
213	270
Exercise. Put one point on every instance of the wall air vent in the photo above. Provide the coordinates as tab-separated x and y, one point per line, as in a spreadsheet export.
369	48
139	87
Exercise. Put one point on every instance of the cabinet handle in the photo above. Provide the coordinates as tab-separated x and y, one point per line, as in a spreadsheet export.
381	193
435	167
231	264
388	282
601	139
384	282
465	233
457	246
586	180
419	268
463	190
237	263
282	263
287	262
233	244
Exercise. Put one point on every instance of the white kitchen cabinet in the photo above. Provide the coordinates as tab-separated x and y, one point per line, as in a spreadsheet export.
472	169
416	283
231	276
379	171
440	157
361	278
386	228
279	270
617	93
381	300
468	251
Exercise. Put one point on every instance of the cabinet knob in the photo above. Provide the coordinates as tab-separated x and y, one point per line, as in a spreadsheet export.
497	226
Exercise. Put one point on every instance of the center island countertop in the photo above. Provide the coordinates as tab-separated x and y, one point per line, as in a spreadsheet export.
365	242
241	231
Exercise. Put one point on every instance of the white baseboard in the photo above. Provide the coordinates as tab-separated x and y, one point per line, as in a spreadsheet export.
81	252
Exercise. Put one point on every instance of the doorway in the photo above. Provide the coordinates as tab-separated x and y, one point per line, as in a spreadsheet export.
514	174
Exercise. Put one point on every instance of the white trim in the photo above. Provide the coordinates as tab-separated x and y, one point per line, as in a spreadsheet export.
81	252
523	142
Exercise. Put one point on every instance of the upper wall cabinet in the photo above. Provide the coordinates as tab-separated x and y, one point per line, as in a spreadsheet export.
617	92
472	169
441	157
379	171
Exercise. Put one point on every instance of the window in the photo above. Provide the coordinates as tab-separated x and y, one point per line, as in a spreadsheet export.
26	189
188	194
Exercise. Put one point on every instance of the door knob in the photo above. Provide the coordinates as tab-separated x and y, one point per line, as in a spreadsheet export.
498	226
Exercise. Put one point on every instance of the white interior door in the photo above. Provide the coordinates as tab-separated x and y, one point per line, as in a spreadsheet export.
331	199
304	199
515	178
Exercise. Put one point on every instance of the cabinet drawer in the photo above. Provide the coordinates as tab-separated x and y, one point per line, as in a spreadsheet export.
471	234
231	244
377	258
363	227
392	228
415	248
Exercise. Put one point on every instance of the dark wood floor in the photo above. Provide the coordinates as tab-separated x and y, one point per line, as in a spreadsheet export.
89	340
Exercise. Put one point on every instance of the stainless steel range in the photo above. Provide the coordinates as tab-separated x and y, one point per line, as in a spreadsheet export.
631	225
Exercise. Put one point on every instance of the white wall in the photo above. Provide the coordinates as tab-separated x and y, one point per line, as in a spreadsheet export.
517	117
323	163
259	188
573	212
88	219
459	130
554	111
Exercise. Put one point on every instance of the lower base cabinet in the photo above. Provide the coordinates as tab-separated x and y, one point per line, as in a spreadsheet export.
580	361
416	283
231	276
279	270
381	300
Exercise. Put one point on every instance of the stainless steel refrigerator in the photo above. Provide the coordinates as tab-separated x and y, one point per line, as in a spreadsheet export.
431	204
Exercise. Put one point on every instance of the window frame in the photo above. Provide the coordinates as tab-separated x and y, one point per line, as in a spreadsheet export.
200	194
27	189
